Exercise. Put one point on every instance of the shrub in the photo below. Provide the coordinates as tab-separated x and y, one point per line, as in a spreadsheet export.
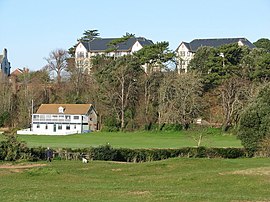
12	149
254	124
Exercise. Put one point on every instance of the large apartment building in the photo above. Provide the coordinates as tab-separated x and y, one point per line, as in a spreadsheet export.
101	46
185	51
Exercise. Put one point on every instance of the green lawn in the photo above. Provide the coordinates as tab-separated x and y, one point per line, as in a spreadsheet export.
211	138
179	179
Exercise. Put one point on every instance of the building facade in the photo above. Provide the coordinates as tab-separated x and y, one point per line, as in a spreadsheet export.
63	119
185	51
101	46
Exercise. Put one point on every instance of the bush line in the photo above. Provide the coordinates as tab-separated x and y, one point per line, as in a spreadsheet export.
108	153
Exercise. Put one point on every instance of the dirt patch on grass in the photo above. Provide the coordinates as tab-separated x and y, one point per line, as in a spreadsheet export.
252	171
20	167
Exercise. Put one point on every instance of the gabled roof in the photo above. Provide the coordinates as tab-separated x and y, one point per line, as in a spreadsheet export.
79	109
197	43
102	44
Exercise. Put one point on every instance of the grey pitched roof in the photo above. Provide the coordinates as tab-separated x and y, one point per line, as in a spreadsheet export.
102	44
197	43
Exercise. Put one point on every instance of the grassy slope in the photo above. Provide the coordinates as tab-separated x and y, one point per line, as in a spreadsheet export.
169	180
212	138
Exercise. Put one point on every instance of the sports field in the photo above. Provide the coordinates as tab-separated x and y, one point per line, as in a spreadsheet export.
141	139
179	179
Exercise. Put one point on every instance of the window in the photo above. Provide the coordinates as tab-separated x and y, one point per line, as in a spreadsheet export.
68	127
182	53
80	55
38	126
61	110
67	117
188	53
36	116
76	117
46	127
59	127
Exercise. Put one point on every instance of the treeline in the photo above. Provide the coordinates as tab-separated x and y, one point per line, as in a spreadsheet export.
144	90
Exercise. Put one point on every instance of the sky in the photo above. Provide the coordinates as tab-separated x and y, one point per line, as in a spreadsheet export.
31	29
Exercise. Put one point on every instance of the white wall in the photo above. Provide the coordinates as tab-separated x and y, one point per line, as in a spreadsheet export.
80	48
136	47
46	124
185	55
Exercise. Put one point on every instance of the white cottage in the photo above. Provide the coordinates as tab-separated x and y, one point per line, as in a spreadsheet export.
63	119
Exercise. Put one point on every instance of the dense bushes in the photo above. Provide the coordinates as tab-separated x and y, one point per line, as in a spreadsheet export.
254	125
107	153
12	150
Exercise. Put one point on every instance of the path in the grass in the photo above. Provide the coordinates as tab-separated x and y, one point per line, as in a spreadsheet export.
20	167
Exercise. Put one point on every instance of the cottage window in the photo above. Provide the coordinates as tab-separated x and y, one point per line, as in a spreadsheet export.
46	127
36	116
76	117
38	126
68	127
59	127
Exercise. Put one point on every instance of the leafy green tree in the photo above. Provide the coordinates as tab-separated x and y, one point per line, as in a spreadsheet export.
155	56
218	64
263	43
119	82
254	124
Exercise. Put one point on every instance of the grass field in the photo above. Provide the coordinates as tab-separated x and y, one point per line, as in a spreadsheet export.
178	179
211	138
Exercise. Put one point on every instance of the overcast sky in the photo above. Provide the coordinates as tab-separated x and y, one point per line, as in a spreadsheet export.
31	29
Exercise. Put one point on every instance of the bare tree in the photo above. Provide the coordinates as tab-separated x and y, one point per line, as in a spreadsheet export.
57	62
180	99
234	93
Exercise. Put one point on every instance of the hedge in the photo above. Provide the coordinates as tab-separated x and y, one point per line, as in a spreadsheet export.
108	153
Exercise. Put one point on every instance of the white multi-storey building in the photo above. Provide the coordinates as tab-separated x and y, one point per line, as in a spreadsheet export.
101	46
185	51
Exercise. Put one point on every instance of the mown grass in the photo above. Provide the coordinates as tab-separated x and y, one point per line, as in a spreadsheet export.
178	179
211	138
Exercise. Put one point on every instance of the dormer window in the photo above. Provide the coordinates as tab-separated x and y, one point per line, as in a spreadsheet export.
61	110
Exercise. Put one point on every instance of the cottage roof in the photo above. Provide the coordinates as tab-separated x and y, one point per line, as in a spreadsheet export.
79	109
102	44
197	43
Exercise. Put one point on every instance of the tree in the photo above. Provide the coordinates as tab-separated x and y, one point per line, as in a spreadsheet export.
180	99
155	56
263	43
57	62
234	93
218	64
118	82
254	124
